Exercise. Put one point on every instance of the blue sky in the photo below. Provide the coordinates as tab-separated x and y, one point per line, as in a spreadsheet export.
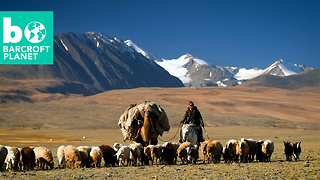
229	33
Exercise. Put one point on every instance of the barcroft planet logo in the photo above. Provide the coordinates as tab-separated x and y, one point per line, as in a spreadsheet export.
26	37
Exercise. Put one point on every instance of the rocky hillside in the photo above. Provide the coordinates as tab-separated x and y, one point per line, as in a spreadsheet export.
91	63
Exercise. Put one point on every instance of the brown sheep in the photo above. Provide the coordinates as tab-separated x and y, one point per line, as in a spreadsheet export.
252	148
72	156
214	150
108	155
20	161
3	155
169	152
264	150
43	157
28	158
204	150
242	151
17	154
96	156
182	152
193	154
230	151
85	156
147	153
155	154
175	147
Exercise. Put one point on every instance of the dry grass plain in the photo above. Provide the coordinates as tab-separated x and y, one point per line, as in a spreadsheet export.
260	113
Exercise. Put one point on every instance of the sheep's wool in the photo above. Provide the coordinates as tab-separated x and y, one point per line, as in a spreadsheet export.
126	119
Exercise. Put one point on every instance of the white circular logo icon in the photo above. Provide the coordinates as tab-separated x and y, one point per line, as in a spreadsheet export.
35	32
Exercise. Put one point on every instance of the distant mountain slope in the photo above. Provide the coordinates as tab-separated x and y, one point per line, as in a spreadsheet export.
309	78
282	68
91	63
196	72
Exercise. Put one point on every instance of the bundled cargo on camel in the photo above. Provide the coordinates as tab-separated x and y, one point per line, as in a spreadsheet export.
146	120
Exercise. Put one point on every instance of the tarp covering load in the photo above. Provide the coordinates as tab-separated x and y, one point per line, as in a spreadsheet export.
129	127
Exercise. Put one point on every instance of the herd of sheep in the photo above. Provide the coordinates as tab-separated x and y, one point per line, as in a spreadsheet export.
244	150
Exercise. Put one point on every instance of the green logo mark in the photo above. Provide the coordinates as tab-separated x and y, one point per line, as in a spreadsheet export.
26	37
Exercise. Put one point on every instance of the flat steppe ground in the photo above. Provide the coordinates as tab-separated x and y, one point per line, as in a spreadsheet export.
229	113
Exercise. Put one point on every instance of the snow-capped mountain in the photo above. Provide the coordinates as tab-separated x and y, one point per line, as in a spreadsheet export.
139	50
282	68
196	72
278	68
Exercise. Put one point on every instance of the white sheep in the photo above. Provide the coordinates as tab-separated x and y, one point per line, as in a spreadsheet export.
193	154
123	154
96	156
135	154
43	157
72	156
60	156
10	159
182	151
117	146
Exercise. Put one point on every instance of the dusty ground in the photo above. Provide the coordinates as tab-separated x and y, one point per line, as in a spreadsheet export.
260	113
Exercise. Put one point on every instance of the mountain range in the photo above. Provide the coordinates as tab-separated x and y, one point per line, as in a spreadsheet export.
195	72
90	63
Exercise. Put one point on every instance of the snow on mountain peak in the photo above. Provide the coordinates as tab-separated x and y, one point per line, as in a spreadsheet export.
282	68
289	69
135	47
141	51
245	74
175	67
186	66
197	60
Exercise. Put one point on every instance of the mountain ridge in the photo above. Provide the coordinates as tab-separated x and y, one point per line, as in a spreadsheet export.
95	63
305	79
195	72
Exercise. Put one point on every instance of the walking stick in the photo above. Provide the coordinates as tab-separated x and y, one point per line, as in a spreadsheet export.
205	132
